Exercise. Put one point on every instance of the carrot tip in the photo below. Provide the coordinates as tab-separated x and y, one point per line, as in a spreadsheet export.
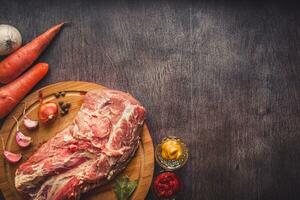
67	23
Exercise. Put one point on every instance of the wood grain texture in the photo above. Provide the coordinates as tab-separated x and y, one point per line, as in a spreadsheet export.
223	75
140	168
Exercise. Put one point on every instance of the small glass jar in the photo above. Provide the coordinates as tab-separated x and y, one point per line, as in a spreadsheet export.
171	164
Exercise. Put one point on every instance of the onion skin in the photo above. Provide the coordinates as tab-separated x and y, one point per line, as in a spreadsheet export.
48	112
12	157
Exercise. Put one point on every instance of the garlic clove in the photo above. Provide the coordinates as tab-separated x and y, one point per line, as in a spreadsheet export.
22	140
12	157
29	123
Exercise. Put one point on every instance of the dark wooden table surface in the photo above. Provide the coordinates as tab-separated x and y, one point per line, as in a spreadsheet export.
224	76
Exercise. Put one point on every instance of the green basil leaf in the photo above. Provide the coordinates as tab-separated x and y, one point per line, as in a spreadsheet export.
124	188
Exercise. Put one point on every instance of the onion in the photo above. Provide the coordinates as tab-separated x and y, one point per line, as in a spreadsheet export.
10	39
48	112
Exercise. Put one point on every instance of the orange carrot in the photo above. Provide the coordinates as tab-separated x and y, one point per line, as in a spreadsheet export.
12	93
13	65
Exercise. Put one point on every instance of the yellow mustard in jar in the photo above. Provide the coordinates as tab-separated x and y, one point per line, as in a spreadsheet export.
171	150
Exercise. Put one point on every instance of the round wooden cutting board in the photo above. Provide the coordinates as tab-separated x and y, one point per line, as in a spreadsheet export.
140	167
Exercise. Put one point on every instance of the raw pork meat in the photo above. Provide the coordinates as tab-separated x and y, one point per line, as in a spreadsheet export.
92	150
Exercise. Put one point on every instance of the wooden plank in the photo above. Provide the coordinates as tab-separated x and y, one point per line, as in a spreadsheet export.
223	75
